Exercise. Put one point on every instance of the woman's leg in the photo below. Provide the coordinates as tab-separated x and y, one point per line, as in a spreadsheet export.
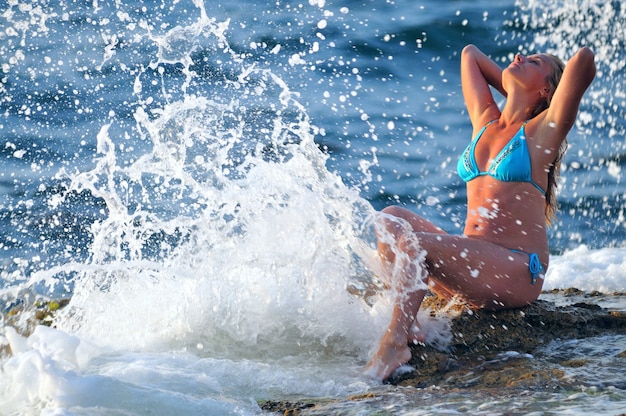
458	264
399	250
393	227
398	246
482	273
386	251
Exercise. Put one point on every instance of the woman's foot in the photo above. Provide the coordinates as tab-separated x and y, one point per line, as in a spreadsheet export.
387	359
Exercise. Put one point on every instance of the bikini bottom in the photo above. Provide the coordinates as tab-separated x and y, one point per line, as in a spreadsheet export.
534	266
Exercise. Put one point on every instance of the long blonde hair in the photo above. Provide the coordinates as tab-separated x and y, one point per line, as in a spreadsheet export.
555	168
552	204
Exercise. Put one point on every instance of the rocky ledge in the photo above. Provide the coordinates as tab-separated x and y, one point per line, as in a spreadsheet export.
483	342
497	349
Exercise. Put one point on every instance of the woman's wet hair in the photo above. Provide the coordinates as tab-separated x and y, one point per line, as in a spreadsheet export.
553	80
555	169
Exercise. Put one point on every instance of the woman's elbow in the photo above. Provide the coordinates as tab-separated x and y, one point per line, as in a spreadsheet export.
586	57
586	52
470	53
469	50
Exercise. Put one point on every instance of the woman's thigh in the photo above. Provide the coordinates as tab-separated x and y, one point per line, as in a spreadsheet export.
419	224
482	273
396	226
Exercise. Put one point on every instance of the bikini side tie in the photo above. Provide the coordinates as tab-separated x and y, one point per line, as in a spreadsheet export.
535	267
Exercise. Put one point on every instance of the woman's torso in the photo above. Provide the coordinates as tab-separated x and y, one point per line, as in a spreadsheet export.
510	214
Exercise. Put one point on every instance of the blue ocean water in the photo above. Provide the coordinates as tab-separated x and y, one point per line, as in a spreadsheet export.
197	177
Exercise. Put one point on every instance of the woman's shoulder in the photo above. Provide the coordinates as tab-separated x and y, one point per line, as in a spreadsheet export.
489	116
542	129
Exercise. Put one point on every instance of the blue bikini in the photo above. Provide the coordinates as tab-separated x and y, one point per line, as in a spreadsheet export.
534	266
512	164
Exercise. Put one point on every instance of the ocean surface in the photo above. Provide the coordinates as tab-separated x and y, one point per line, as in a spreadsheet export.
199	178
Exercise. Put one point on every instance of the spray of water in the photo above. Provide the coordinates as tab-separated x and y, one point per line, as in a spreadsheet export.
218	221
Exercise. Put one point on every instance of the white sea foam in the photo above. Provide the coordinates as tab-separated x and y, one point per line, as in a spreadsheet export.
228	262
249	279
602	270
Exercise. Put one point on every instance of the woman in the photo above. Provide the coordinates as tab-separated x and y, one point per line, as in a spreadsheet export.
510	169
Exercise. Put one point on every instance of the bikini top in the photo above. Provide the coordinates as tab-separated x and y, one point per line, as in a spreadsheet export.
512	164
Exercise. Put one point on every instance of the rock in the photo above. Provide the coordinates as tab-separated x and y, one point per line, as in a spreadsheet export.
491	350
489	347
24	317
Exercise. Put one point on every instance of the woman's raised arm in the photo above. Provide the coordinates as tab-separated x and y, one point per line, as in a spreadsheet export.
577	76
478	73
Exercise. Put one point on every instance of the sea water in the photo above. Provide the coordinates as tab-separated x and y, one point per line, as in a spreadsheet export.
200	180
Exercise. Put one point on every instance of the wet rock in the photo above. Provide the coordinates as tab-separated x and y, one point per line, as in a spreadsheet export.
24	317
492	351
495	347
286	407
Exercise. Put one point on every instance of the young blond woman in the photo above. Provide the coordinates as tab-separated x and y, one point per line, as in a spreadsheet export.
510	169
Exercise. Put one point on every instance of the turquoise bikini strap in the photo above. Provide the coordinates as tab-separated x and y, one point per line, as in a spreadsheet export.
534	266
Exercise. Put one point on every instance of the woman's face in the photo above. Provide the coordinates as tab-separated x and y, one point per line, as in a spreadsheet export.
530	71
